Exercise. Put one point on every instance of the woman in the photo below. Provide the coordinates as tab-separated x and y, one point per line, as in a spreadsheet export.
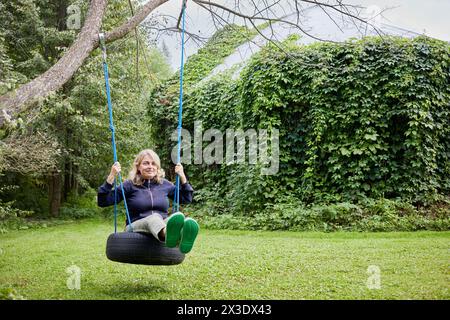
147	194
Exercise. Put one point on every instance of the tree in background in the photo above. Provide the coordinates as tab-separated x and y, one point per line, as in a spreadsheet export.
56	152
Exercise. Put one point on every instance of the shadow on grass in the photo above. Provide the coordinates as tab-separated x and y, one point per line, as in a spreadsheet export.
136	290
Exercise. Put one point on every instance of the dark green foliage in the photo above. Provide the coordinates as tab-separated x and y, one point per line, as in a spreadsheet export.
372	215
364	119
82	206
367	119
220	46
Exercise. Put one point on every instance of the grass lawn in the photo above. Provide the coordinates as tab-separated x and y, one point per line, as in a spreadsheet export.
230	265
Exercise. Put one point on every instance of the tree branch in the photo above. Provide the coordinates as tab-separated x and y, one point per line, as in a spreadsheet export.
61	72
254	17
121	31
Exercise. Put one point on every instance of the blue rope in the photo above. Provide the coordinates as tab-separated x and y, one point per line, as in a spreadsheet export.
115	205
113	138
176	205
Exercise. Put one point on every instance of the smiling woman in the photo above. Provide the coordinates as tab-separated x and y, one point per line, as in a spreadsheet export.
147	194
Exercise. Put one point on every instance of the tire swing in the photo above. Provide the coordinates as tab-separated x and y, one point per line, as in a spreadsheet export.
133	247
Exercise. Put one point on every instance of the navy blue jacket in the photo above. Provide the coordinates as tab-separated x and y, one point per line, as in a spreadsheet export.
144	200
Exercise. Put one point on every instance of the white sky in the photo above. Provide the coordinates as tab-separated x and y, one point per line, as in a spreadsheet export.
430	17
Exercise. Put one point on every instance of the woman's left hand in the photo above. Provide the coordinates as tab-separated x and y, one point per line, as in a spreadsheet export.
180	172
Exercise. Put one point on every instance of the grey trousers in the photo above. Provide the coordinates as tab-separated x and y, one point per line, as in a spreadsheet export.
152	224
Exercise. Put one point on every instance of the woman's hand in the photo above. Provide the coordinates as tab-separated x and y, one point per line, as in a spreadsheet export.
179	171
115	169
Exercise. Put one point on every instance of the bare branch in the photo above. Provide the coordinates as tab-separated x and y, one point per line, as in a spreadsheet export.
252	18
181	13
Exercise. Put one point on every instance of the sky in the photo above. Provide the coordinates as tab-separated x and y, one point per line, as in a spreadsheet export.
428	17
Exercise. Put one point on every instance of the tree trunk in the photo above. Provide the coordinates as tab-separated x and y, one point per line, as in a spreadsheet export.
54	193
68	179
62	8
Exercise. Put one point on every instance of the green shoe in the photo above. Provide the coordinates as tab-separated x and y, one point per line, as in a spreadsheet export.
188	235
173	229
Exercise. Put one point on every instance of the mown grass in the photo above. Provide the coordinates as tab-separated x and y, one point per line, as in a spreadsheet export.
229	265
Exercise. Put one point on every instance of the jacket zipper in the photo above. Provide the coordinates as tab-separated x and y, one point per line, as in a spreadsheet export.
151	195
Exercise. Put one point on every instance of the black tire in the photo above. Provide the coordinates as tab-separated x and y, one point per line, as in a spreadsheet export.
138	248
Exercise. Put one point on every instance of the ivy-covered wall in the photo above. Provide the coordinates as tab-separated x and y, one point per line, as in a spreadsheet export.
364	119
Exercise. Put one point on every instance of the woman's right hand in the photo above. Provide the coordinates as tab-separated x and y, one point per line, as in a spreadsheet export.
115	169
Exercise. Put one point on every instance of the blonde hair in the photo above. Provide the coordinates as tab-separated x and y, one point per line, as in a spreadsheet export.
136	177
